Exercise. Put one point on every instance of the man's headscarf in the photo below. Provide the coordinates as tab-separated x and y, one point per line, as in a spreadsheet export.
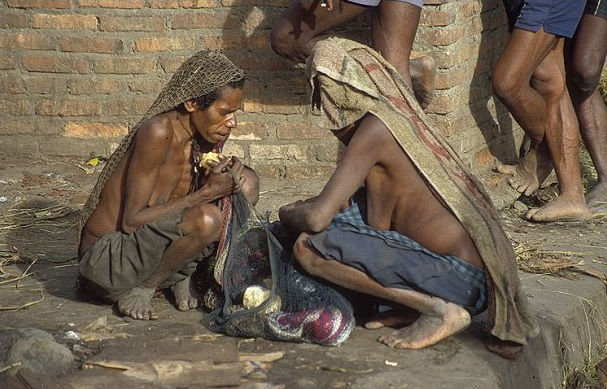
202	73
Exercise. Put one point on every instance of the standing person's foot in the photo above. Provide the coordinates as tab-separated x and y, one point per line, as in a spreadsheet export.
423	72
596	198
445	320
186	295
560	209
137	304
529	173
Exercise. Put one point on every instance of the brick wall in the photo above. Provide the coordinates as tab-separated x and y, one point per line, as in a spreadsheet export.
76	73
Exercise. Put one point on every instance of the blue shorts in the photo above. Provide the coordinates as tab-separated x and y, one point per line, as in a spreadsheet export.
558	17
373	3
397	261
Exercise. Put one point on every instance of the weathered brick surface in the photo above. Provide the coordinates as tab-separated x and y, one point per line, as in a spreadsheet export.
77	73
65	21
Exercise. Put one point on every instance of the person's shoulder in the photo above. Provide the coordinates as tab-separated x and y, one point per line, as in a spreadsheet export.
157	128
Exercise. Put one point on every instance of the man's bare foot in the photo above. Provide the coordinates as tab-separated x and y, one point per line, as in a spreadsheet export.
560	209
446	320
137	304
423	71
186	295
596	198
529	173
392	319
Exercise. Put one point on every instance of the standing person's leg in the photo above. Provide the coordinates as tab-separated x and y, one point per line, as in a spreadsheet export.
586	58
394	27
522	56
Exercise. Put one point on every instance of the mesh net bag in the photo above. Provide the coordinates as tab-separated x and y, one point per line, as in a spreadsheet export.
295	307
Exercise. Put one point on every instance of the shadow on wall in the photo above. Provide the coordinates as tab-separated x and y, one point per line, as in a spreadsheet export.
499	135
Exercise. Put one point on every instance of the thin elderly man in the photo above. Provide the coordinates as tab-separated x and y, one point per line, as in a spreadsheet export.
585	57
401	219
394	25
153	213
529	78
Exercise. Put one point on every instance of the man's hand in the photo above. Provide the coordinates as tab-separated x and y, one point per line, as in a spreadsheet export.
225	177
303	215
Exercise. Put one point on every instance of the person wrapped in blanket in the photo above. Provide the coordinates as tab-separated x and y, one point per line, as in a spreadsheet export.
153	213
382	226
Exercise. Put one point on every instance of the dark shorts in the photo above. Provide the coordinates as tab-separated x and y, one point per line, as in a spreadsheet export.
397	261
596	8
558	17
117	262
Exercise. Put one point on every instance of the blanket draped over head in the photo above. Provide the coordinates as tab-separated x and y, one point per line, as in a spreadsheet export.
349	80
202	73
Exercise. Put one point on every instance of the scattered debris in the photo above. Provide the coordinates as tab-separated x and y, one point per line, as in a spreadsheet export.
390	363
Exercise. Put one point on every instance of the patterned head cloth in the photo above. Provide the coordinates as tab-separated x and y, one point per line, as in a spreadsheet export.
202	73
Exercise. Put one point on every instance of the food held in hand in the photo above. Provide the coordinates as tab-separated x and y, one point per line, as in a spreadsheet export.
206	158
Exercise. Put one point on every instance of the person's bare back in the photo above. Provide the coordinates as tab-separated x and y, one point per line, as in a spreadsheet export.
399	200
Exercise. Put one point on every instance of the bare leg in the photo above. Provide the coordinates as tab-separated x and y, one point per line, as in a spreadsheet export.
586	58
438	319
570	204
519	73
304	23
201	226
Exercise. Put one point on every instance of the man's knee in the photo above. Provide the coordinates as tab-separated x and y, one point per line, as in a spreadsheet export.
505	87
203	221
251	186
282	40
584	75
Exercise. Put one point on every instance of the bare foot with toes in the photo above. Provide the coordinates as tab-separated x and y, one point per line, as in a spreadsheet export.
560	209
137	304
446	320
596	198
186	295
529	173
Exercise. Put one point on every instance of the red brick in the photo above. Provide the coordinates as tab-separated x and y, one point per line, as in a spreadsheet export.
27	40
68	107
122	4
53	64
285	109
171	63
183	3
95	85
146	85
452	77
13	20
28	125
16	106
231	40
251	130
7	61
266	3
39	3
91	45
131	23
154	44
95	129
435	17
118	106
484	158
10	83
124	65
45	85
288	152
300	130
441	36
206	20
66	21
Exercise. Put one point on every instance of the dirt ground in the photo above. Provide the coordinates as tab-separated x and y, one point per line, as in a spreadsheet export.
39	204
